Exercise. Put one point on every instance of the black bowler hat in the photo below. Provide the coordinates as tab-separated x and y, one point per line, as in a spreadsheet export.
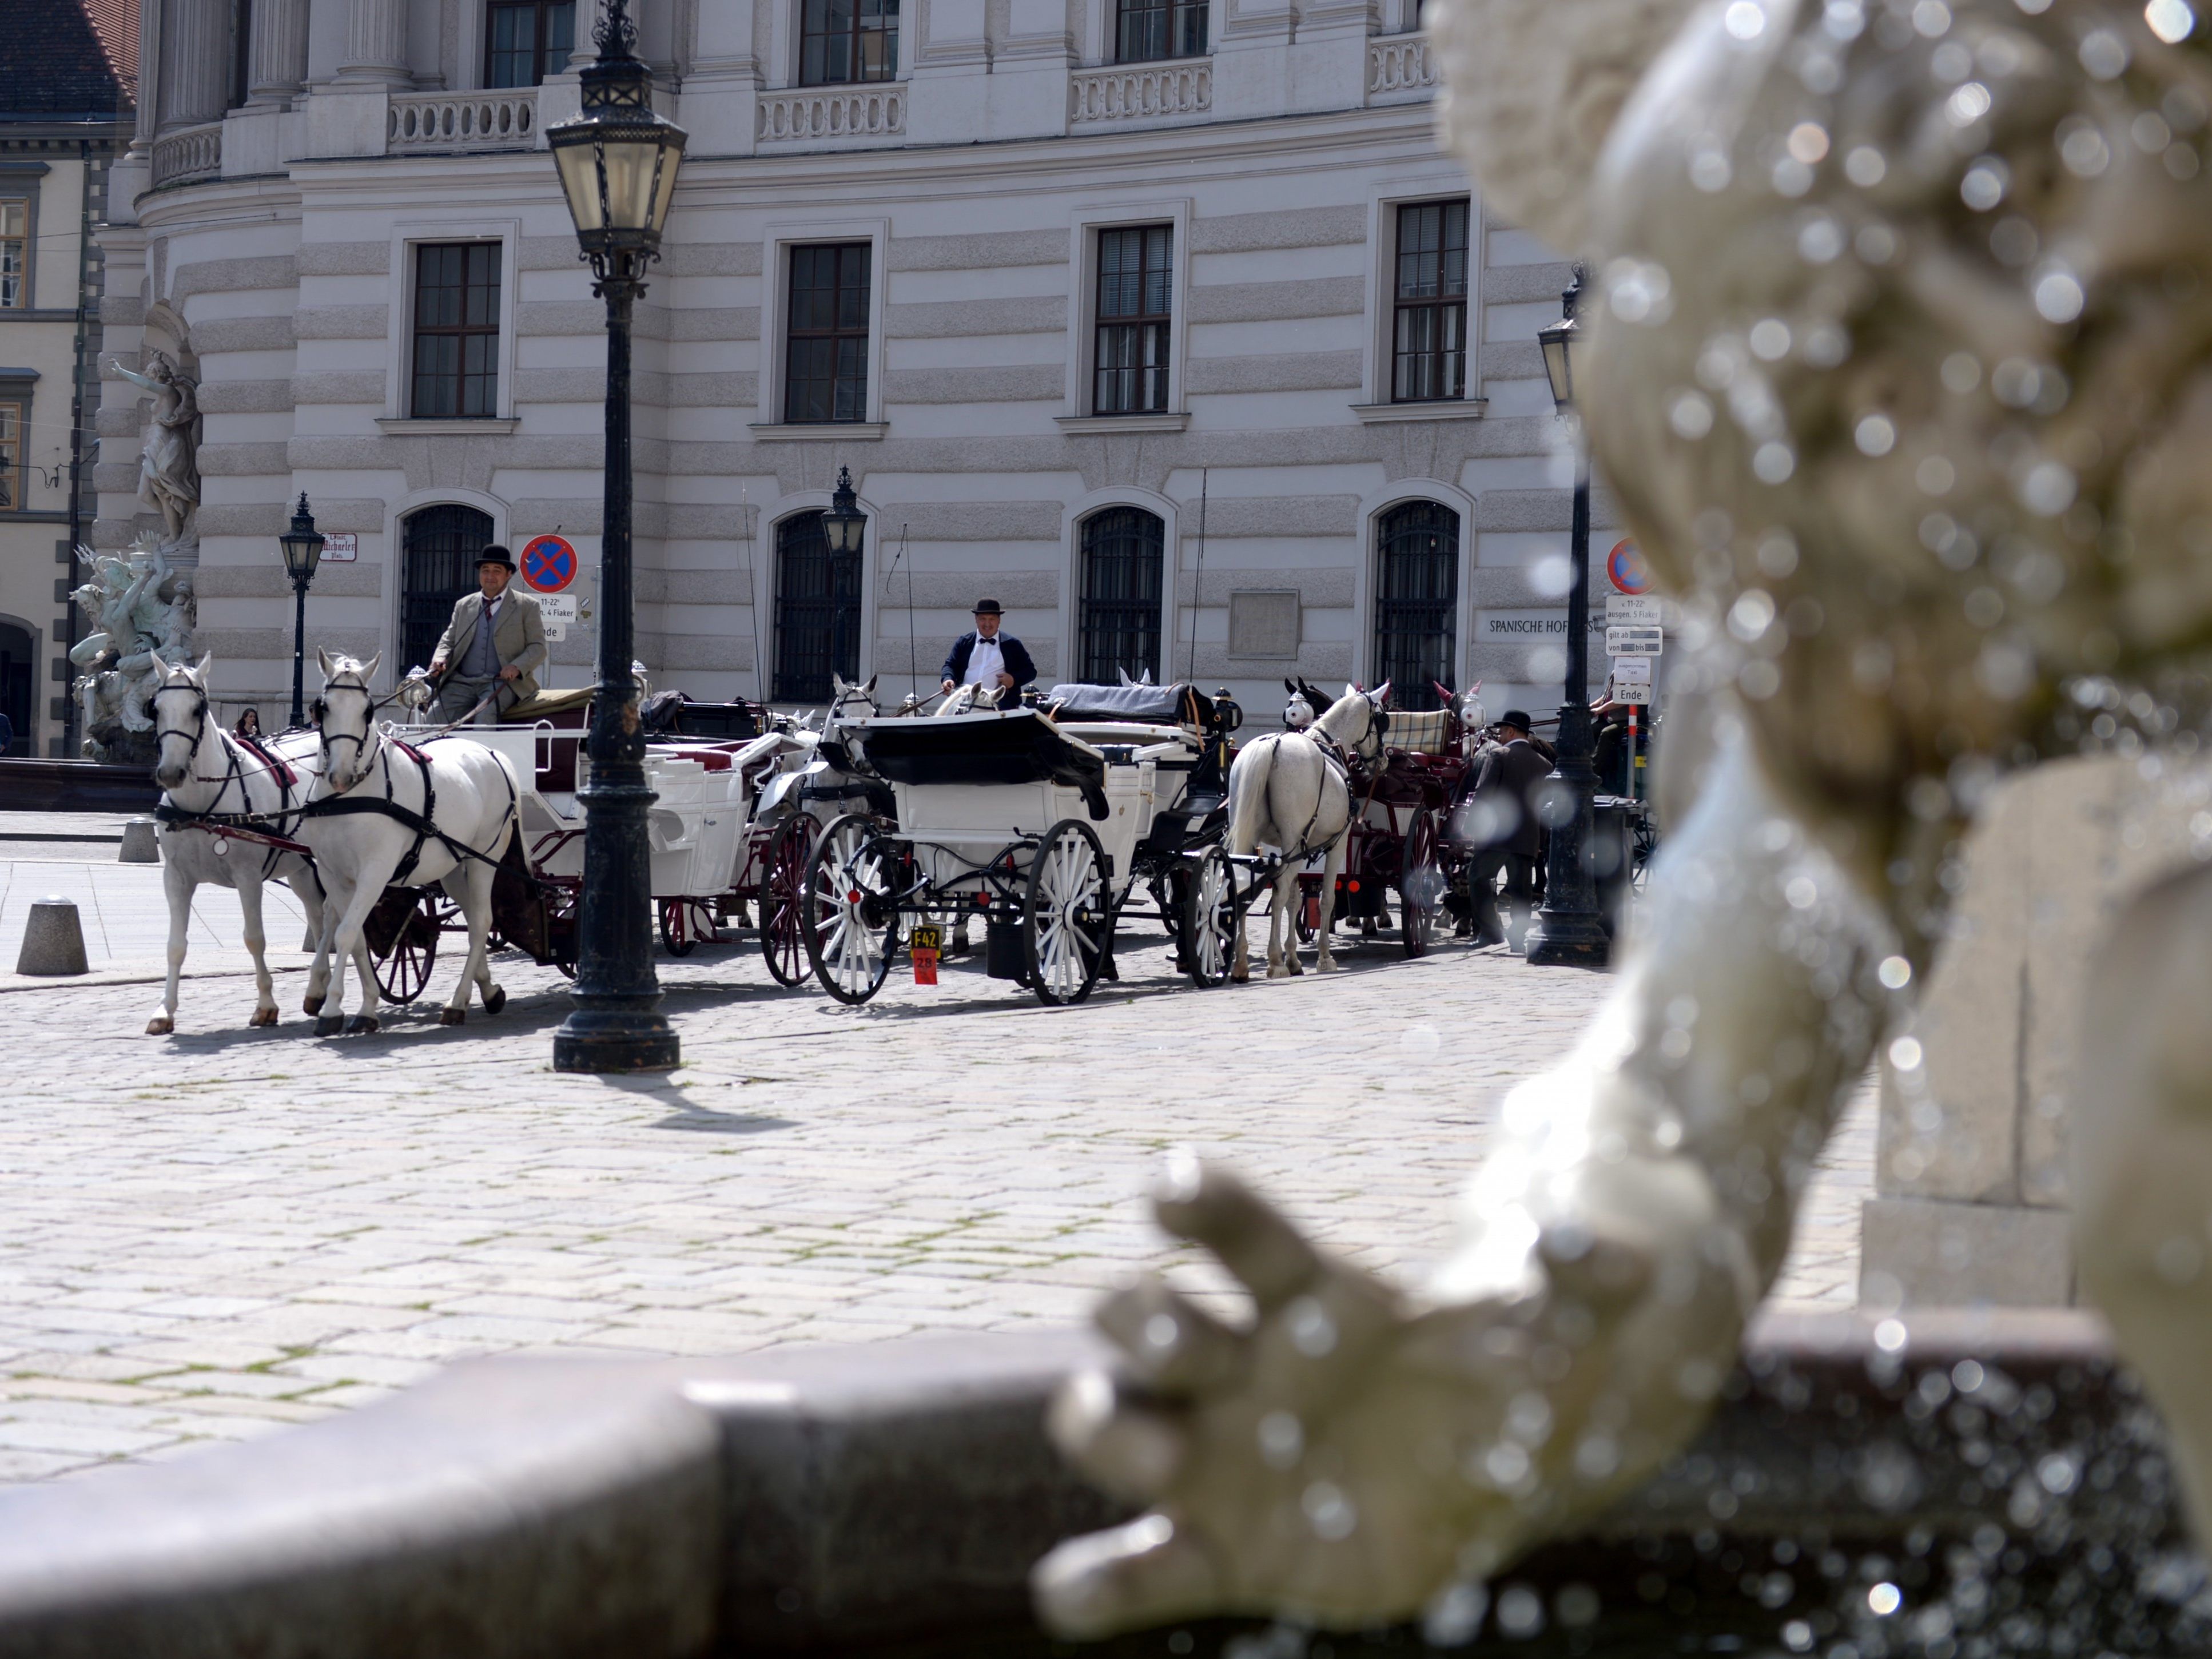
988	607
495	553
1517	718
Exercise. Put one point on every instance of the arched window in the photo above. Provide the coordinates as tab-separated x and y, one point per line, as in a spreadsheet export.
1416	600
817	611
439	548
17	662
1118	624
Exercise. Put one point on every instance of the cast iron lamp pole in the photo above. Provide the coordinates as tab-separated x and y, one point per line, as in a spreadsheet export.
1567	932
303	551
617	162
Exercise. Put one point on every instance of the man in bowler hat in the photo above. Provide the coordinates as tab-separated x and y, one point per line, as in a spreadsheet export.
496	639
1511	839
987	657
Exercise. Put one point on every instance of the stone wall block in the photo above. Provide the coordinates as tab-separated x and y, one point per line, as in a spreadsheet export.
948	319
1266	302
1946	1254
1264	233
1300	371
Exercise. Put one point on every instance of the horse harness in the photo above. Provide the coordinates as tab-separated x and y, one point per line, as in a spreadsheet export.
421	822
1338	756
232	826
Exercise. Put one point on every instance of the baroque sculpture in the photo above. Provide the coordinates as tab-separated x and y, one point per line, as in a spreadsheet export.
140	608
1900	361
169	470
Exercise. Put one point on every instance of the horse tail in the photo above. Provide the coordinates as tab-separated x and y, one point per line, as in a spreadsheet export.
1248	794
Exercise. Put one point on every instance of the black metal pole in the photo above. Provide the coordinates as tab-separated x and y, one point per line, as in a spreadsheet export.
1567	932
299	652
617	1024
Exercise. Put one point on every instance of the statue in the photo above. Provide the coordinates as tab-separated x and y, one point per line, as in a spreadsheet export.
140	607
168	471
1898	355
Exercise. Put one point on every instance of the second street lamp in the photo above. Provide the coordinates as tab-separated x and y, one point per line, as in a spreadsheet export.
844	525
303	551
617	162
1567	932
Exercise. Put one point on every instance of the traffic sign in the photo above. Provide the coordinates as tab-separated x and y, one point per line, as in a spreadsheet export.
1636	642
1631	671
549	564
1632	610
1625	569
558	611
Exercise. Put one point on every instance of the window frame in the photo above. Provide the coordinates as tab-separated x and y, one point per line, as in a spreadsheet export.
779	691
1086	528
1377	381
440	611
1085	224
1144	326
463	331
12	470
838	334
29	240
767	422
1399	307
1178	15
539	71
857	34
399	338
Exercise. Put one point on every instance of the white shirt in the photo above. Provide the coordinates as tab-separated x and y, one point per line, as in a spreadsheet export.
986	662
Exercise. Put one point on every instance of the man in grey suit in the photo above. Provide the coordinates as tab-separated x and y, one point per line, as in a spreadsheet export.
496	639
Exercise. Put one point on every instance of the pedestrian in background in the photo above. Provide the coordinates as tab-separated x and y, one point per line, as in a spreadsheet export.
1498	819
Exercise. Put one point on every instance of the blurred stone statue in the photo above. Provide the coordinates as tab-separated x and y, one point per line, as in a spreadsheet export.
1898	353
169	470
140	607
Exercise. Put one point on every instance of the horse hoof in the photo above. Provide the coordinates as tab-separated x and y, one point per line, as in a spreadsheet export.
160	1025
1240	976
362	1025
329	1024
1326	965
263	1017
1279	971
312	1005
452	1016
495	999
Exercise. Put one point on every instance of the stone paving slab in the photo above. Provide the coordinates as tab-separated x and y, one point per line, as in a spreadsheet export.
124	913
207	1236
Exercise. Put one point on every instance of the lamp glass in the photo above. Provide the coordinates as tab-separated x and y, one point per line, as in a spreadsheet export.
844	529
1558	342
303	549
577	157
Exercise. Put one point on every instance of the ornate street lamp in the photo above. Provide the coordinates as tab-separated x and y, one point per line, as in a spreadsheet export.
617	162
844	523
303	551
1567	931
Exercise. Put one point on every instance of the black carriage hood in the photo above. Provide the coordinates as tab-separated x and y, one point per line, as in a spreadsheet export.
1016	747
1173	705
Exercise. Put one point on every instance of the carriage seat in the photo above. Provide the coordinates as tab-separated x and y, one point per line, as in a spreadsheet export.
1422	732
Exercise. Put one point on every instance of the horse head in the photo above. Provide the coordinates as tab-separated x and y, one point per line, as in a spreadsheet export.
1299	712
1467	706
843	693
345	717
966	699
180	705
1358	720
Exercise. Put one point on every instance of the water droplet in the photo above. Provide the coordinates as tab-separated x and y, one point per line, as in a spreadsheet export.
1577	1605
1895	973
2170	20
1968	104
1844	20
1329	1512
1797	1636
1313	1332
1808	141
2104	55
1752	614
1932	18
1904	1053
2048	489
1691	415
1819	240
1282	1440
1875	435
1803	892
1745	19
1950	62
1163	1331
1769	339
2082	146
1865	167
1551	576
1520	1612
1884	1599
2178	1260
1778	554
1875	244
1968	1375
1985	184
1180	1177
1452	1620
1961	372
1506	1464
1935	475
2057	1473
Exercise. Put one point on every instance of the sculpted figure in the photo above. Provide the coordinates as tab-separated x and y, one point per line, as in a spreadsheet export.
140	607
168	471
1898	353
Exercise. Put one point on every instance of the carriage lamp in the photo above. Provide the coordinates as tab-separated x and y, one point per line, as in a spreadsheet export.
1566	932
303	551
844	523
617	162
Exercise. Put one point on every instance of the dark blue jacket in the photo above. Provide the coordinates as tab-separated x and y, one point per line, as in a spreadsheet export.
1017	660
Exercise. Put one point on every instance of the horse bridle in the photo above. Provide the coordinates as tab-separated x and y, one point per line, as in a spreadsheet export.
199	729
321	707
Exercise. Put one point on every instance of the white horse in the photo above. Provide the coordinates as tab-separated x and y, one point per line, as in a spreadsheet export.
205	772
455	802
1291	790
967	699
1300	712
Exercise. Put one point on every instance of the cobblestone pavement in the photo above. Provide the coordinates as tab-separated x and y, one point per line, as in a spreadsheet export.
206	1236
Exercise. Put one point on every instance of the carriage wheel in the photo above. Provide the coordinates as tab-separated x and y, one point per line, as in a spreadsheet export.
1067	915
685	923
1420	886
403	971
1210	916
562	903
847	911
1305	919
783	873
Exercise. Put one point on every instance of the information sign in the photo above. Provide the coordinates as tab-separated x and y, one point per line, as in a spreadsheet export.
1632	610
559	611
341	549
1637	641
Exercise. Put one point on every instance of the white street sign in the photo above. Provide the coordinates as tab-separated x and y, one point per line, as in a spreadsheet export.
1632	670
1637	692
1632	610
559	611
1636	642
343	548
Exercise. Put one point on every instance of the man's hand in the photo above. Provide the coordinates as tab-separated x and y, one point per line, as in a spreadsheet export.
437	667
1005	682
510	673
947	686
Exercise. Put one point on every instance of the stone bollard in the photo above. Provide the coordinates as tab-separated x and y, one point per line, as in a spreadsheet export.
139	845
53	942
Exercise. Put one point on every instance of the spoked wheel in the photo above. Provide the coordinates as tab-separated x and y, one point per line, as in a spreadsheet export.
1210	916
562	903
685	924
1067	919
783	873
403	971
849	914
1420	887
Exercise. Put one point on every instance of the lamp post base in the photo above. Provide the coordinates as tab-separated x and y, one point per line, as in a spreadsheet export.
1566	941
615	1040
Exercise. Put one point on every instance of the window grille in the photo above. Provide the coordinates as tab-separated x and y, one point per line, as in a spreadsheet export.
18	661
817	611
456	330
15	254
526	41
11	458
1146	30
439	548
1416	601
1430	328
825	373
848	40
1135	295
1123	561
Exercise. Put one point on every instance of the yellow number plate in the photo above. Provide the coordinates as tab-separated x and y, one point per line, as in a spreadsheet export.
927	937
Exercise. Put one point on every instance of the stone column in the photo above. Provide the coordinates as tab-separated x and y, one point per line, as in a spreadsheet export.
376	44
195	61
279	64
150	77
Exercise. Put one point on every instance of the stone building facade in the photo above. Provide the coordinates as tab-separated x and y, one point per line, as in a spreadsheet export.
1166	324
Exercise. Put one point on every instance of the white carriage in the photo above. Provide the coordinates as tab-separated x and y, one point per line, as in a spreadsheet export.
1040	827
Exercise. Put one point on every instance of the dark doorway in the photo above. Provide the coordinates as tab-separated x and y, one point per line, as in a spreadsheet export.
17	676
1416	601
439	547
1123	553
817	611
